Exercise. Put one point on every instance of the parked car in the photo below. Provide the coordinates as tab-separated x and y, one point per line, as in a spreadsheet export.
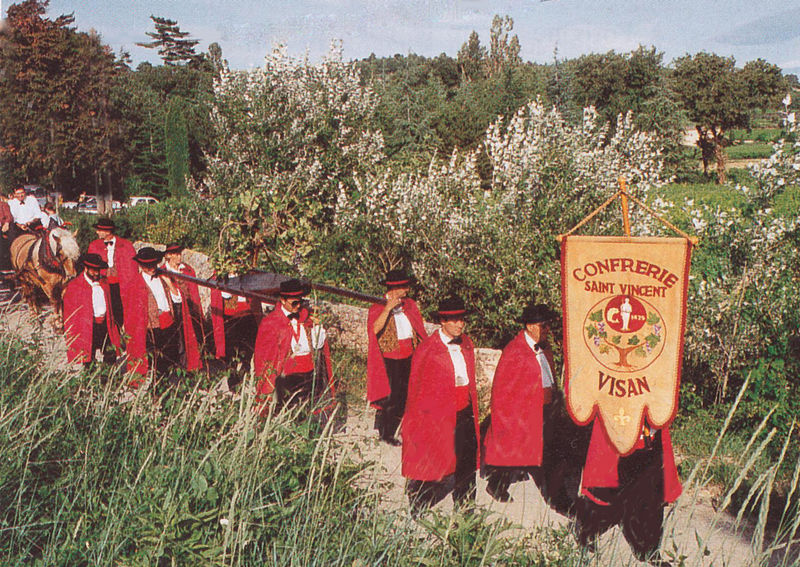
88	206
38	192
142	201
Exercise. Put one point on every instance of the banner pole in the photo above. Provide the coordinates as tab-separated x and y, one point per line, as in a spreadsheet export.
623	191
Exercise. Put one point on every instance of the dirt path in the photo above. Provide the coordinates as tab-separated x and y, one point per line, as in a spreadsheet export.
693	529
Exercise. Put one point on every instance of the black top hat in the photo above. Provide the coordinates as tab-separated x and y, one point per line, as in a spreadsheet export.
105	224
451	308
93	261
148	256
398	278
292	288
538	313
174	248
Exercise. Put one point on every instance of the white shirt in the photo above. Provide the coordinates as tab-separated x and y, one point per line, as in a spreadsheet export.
300	344
176	297
110	250
547	372
98	298
157	287
402	324
27	211
457	358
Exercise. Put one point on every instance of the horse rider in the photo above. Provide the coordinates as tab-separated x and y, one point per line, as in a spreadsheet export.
27	215
6	221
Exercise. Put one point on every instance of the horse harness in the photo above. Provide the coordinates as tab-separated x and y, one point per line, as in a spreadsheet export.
47	258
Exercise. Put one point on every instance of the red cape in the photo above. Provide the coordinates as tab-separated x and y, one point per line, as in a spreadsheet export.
127	268
429	423
218	320
377	380
135	310
602	459
79	319
189	305
273	347
514	437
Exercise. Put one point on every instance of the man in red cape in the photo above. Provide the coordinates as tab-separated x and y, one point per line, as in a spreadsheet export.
185	306
440	426
522	386
290	352
394	331
150	320
631	490
118	253
234	321
88	320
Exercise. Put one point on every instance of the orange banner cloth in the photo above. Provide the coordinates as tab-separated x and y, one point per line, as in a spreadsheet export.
624	308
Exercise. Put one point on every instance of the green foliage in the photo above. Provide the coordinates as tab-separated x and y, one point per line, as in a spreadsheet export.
196	479
176	142
57	123
757	150
172	43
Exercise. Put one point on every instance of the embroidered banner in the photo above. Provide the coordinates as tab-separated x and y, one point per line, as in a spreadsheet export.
624	302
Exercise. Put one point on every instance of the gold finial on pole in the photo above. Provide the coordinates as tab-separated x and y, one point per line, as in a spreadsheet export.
623	190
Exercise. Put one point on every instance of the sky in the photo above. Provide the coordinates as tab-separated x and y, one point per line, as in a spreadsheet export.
248	29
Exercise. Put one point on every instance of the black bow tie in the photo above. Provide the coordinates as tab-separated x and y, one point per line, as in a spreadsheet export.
109	242
539	346
456	341
293	315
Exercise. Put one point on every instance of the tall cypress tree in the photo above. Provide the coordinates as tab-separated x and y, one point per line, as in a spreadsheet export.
176	142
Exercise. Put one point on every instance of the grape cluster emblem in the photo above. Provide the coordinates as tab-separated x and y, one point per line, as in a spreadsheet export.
624	333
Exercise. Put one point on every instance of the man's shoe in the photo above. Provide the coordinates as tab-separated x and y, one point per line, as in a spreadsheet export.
393	441
498	494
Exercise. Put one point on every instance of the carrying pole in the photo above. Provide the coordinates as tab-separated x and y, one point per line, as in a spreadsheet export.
270	295
623	193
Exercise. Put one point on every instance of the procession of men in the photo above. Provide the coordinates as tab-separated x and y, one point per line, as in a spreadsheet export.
142	307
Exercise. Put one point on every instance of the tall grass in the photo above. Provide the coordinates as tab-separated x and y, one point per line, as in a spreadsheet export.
199	480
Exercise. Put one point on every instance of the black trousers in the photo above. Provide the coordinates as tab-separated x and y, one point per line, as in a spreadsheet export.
240	342
116	303
163	348
424	494
637	505
392	408
5	253
301	388
101	342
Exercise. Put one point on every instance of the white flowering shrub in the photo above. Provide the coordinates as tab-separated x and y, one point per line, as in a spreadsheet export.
289	135
743	299
495	242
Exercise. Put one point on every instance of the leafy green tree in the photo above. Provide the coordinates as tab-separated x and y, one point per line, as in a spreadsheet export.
57	123
471	58
503	49
719	97
615	83
172	43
